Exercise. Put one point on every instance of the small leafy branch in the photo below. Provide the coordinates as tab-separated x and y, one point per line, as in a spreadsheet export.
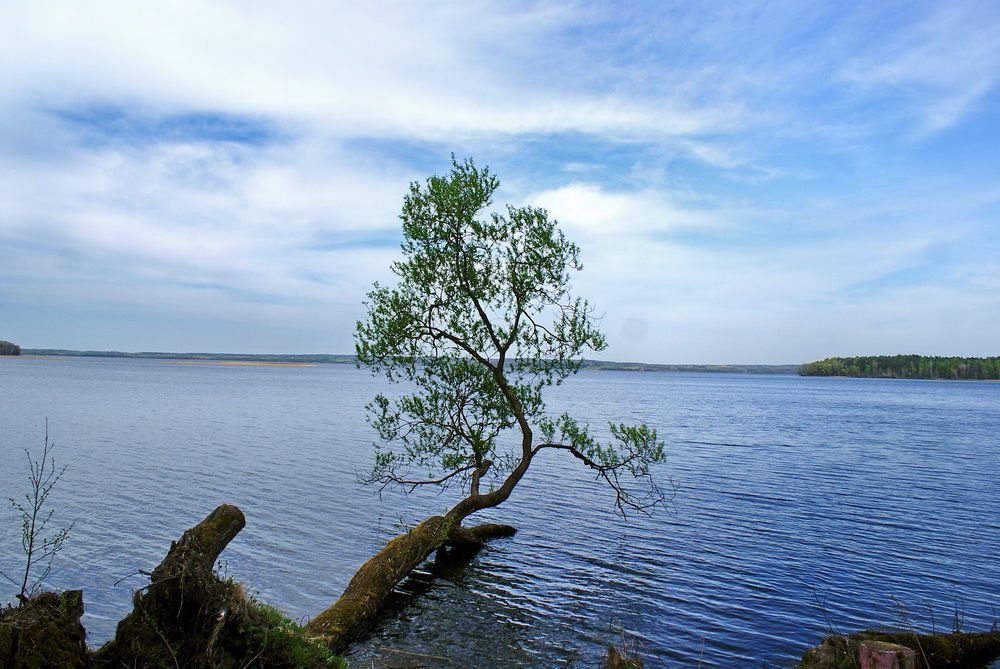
39	543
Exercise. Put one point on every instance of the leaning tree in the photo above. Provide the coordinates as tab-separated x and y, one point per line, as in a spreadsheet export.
480	321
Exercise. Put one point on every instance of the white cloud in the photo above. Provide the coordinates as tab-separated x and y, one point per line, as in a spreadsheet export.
590	210
277	224
798	297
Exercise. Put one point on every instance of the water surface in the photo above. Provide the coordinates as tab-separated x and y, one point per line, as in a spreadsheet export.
801	505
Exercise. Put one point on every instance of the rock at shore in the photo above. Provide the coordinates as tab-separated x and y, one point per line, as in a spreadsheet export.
960	650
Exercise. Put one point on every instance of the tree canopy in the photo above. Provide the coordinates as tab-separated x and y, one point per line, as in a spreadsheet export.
9	348
481	319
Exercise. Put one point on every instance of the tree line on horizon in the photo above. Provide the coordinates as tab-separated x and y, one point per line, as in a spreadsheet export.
9	348
906	367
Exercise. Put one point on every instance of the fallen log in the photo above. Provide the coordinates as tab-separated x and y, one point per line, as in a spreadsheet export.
885	655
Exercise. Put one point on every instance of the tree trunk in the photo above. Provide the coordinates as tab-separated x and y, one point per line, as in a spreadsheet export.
356	610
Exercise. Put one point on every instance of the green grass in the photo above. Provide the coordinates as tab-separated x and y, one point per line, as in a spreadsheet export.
275	635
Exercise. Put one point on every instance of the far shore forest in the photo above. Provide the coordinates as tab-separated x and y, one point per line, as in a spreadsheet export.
906	367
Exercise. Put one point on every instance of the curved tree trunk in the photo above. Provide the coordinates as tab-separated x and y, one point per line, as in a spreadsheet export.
356	610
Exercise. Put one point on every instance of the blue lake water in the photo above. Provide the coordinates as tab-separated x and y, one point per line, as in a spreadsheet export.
801	505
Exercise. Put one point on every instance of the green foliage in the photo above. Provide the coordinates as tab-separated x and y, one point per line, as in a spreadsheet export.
480	321
906	367
39	543
8	348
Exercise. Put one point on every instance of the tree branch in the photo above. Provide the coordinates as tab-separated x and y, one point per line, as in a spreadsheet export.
483	317
438	333
609	472
386	479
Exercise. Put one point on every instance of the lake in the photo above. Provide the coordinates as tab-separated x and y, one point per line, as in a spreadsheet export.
801	505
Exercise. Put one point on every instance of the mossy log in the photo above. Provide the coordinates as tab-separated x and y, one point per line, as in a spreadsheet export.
357	609
189	618
179	620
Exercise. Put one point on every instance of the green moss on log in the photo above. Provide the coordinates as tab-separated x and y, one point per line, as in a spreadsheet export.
356	609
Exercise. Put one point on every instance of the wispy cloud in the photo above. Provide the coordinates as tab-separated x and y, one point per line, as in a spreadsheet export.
940	65
403	71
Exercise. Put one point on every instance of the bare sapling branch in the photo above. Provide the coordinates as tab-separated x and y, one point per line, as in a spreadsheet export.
39	542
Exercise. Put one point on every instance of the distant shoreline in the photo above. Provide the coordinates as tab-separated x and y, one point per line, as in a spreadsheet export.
324	358
208	358
242	363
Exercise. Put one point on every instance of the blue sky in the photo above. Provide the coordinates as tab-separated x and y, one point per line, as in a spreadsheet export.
748	182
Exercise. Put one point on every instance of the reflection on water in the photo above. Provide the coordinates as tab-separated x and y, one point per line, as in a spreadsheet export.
801	504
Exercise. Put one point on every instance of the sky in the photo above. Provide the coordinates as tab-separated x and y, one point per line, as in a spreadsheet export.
758	182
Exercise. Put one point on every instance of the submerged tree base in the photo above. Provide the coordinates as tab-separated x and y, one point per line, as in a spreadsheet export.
187	617
357	609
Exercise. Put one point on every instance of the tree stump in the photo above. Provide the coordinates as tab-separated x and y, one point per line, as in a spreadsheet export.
44	631
884	655
177	619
